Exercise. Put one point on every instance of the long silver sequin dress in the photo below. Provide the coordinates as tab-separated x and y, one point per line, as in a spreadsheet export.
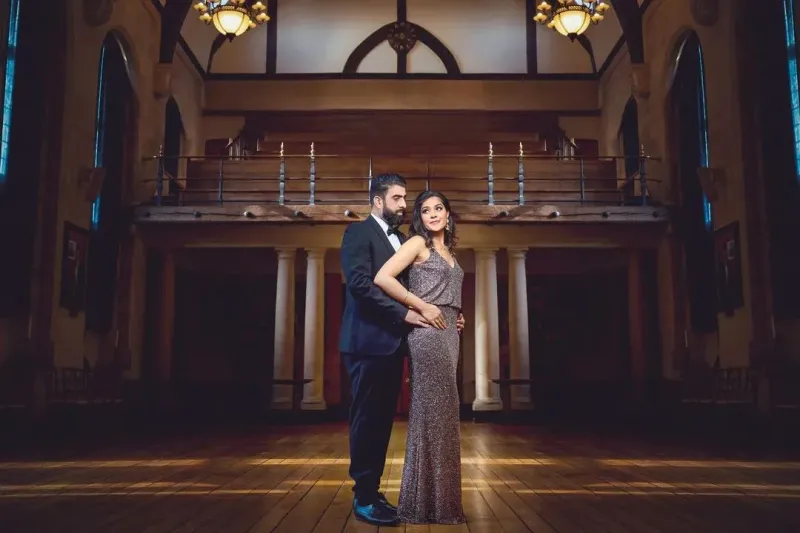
430	491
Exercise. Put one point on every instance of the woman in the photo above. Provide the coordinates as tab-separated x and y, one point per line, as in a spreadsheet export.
430	491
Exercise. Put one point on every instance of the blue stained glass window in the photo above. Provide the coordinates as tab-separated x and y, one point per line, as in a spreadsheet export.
8	93
708	214
98	131
791	49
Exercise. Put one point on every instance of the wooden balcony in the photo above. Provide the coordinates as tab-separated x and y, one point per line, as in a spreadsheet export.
499	185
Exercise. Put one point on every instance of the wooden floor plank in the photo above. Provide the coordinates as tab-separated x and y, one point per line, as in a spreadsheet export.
295	480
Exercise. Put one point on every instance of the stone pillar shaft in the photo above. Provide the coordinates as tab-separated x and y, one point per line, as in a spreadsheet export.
314	336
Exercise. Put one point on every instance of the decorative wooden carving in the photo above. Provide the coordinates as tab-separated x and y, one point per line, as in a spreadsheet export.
97	12
162	80
402	37
705	12
640	80
410	34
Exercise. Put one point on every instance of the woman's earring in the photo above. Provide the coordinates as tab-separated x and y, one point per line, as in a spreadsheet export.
447	226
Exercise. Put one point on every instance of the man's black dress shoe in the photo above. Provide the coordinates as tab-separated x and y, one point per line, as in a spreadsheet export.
374	513
382	499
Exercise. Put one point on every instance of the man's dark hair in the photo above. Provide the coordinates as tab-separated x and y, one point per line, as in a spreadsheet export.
381	183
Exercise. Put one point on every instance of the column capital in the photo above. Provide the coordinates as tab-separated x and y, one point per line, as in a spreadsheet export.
316	253
286	252
485	252
517	252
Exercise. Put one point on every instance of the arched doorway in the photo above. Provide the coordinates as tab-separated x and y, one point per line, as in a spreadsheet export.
688	134
629	139
115	147
173	141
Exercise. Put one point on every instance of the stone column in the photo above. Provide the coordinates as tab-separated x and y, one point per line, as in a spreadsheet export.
636	323
487	332
166	320
518	327
284	328
314	333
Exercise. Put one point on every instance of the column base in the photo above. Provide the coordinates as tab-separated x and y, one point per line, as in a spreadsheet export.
281	404
521	405
313	405
488	404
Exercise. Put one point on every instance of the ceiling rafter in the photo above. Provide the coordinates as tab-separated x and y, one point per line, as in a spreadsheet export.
630	18
172	17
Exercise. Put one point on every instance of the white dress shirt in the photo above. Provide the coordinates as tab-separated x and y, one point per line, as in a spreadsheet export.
393	238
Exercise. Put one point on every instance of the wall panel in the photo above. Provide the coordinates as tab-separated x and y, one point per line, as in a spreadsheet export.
318	37
421	59
485	37
246	54
381	60
558	55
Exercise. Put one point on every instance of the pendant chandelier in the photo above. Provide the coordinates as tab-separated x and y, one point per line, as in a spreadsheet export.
232	17
570	18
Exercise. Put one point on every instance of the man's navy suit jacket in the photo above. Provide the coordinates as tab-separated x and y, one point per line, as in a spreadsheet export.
373	323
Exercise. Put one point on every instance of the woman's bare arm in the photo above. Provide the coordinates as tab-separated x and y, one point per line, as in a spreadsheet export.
386	279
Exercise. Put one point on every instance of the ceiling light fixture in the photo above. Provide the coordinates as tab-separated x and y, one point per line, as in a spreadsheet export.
571	17
232	17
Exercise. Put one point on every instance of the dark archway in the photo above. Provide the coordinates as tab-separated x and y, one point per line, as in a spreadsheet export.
115	139
778	120
33	76
688	132
629	131
32	73
173	133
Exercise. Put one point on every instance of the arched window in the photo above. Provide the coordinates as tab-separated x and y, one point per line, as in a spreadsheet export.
629	131
173	139
689	135
115	119
794	82
8	86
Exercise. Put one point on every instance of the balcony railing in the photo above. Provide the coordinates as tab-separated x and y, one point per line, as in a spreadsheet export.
475	179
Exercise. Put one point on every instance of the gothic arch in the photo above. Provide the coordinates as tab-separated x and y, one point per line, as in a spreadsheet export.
173	133
687	134
384	32
116	130
121	39
674	52
629	131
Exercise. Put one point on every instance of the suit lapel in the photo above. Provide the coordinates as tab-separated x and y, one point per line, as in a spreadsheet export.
382	234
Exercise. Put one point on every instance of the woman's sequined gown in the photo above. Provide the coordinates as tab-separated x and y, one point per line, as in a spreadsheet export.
430	491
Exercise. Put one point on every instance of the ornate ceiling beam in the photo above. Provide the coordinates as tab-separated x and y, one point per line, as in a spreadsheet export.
172	17
630	18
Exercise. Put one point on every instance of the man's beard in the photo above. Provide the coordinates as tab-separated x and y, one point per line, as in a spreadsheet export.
392	218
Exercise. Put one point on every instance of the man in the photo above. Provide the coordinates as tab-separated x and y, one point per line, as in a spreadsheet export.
372	342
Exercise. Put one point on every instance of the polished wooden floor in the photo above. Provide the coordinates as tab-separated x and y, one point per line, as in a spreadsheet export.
294	480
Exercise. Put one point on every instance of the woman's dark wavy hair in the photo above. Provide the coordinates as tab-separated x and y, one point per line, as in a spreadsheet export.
418	227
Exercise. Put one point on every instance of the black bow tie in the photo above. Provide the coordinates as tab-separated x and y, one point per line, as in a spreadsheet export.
392	231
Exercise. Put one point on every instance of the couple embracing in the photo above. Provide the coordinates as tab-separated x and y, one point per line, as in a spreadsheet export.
403	299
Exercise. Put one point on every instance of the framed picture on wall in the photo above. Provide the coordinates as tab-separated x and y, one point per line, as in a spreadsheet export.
73	268
728	256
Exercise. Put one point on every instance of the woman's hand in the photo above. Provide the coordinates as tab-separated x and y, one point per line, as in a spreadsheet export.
434	316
